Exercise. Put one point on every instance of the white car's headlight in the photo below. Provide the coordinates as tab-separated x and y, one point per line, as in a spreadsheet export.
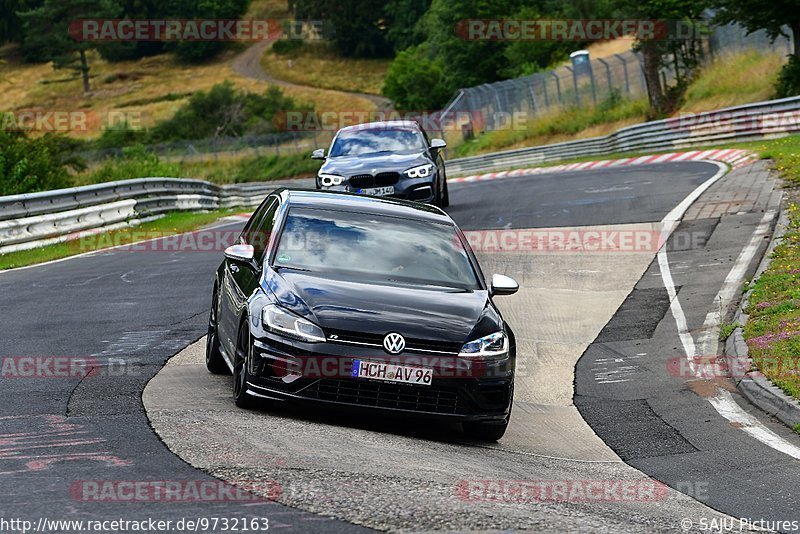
491	347
284	323
423	171
327	180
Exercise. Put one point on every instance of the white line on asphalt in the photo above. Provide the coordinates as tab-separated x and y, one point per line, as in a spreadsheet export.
722	401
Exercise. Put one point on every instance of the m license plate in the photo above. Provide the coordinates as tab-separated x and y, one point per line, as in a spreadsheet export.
389	372
378	191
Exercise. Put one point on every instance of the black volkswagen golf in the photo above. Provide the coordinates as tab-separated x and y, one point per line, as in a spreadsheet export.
389	159
362	303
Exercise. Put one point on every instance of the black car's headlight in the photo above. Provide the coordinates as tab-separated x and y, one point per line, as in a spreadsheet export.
327	180
491	347
285	323
422	171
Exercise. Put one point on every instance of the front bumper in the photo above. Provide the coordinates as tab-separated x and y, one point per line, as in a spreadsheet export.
417	189
321	374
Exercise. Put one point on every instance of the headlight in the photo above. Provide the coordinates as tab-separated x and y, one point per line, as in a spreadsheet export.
284	323
327	180
492	347
423	171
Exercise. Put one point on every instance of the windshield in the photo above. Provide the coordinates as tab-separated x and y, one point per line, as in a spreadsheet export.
358	142
375	247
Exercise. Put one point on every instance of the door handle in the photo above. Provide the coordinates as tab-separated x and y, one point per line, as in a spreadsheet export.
234	269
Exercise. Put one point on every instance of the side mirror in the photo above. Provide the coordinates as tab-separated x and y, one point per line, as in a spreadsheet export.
244	253
318	154
437	143
503	285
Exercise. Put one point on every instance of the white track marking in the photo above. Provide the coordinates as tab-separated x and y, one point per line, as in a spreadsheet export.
722	401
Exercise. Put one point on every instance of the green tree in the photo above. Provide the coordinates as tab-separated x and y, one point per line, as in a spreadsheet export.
47	30
654	50
360	26
195	51
35	164
415	81
403	17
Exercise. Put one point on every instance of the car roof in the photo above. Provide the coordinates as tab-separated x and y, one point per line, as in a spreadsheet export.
310	198
382	125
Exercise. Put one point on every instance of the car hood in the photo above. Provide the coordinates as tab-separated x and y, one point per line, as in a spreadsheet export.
420	313
373	163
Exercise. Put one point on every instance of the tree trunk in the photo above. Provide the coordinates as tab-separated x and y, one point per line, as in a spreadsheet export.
85	72
652	63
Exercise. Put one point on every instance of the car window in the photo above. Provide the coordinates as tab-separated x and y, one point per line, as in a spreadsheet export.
358	142
260	233
375	247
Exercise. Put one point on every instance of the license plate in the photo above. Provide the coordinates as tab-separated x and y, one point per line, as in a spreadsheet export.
378	191
390	372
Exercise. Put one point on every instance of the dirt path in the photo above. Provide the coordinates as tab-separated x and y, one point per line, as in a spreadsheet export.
248	64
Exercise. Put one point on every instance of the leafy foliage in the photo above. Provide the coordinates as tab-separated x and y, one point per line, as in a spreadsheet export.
224	111
789	79
28	164
359	25
415	81
47	37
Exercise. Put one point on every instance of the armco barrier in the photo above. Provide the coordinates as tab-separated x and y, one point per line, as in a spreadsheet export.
741	123
31	220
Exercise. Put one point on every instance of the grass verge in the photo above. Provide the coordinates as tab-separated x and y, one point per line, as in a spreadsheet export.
223	170
733	79
313	64
172	223
772	331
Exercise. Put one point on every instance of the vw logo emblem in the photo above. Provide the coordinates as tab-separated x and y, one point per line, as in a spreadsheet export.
394	343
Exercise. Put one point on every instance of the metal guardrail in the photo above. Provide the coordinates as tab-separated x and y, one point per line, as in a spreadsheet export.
31	220
761	120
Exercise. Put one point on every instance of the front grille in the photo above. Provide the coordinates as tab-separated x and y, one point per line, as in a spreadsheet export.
411	343
386	395
387	178
362	180
380	180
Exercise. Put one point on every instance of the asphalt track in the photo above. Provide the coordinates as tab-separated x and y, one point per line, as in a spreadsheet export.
140	308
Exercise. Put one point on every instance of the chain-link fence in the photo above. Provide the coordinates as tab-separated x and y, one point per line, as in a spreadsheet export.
589	82
215	148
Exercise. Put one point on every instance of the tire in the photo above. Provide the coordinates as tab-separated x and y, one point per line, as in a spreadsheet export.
241	369
437	194
483	431
215	363
445	195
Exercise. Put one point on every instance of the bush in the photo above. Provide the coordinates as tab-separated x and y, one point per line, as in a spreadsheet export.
287	46
28	165
136	162
416	82
789	79
119	136
224	111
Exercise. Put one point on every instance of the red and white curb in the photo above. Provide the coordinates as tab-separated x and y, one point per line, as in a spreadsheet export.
734	157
